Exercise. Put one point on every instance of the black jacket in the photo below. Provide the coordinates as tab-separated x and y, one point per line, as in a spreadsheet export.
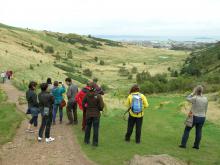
31	98
45	100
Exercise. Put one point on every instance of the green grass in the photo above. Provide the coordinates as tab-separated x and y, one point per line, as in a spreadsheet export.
161	134
10	119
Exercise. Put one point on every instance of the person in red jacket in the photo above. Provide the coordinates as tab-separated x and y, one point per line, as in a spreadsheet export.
79	99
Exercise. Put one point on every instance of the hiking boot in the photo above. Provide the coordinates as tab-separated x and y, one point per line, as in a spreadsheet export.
86	142
95	144
182	146
50	139
39	139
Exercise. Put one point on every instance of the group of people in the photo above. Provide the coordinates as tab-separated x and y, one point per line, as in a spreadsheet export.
89	99
6	75
51	99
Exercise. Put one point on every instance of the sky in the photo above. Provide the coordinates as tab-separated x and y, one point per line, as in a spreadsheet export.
115	17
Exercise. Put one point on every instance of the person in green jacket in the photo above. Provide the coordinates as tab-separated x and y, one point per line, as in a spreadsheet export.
57	93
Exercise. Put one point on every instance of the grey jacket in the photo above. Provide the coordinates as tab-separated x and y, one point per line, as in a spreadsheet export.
71	92
199	105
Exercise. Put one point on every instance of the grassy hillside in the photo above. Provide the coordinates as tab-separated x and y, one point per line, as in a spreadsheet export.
29	53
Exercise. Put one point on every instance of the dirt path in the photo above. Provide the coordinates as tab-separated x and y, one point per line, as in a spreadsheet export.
25	149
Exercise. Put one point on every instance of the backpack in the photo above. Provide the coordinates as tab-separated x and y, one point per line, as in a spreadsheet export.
136	105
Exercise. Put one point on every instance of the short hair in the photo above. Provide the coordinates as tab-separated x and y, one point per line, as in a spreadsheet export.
134	88
95	80
199	90
32	84
68	79
43	86
49	80
56	83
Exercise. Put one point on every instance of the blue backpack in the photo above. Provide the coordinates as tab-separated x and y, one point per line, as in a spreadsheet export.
136	106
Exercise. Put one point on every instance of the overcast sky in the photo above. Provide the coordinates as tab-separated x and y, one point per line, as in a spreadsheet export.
115	17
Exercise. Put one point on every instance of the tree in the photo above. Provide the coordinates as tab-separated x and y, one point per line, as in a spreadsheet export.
134	70
96	59
87	72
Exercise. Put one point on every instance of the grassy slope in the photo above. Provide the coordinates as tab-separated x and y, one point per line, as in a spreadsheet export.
10	119
161	134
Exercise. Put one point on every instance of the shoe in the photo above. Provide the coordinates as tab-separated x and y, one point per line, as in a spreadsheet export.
182	146
138	142
127	140
29	131
95	144
87	143
50	139
39	139
195	147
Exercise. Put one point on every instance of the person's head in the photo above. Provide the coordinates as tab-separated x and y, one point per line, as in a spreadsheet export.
68	81
95	80
134	88
89	83
56	83
44	87
32	85
198	90
92	87
49	81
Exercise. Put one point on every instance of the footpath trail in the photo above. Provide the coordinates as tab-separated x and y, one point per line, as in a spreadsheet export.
26	150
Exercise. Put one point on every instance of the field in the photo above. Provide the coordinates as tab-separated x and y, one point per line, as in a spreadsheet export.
10	119
161	134
25	52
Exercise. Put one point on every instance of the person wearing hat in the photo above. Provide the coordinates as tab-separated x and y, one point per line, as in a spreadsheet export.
92	104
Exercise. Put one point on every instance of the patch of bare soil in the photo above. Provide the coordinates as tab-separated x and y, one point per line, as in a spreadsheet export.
155	160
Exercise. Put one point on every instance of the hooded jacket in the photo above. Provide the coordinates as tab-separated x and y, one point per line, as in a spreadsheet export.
80	96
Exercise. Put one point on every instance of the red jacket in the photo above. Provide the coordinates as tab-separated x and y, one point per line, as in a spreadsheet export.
80	96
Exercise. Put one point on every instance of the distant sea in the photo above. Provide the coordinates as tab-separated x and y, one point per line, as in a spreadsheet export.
160	38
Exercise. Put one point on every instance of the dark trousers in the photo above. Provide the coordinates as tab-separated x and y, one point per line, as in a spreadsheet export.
71	111
34	120
55	109
46	123
84	120
92	121
131	122
198	122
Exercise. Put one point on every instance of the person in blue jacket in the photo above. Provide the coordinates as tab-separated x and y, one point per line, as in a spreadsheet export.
57	93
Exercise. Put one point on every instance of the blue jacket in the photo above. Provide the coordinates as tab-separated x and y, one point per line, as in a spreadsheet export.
57	92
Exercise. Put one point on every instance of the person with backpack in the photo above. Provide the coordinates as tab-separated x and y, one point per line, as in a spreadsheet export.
97	87
57	93
33	105
71	108
198	114
46	101
92	104
3	76
79	99
136	102
49	83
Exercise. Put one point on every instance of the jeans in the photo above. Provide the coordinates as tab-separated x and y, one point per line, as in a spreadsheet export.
92	121
46	123
131	122
84	120
34	120
55	109
71	111
198	122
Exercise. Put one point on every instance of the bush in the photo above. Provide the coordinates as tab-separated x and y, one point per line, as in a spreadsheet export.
49	49
123	63
102	62
130	76
70	54
174	73
87	72
96	59
123	72
31	67
147	87
83	48
41	61
141	77
134	70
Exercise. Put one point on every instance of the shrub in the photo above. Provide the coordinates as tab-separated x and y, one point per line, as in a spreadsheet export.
102	62
87	72
130	76
144	63
38	65
123	63
123	72
174	73
134	70
31	67
41	61
49	49
96	59
70	54
147	87
141	77
83	48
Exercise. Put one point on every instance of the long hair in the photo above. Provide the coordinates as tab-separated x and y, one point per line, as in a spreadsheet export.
32	84
134	88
